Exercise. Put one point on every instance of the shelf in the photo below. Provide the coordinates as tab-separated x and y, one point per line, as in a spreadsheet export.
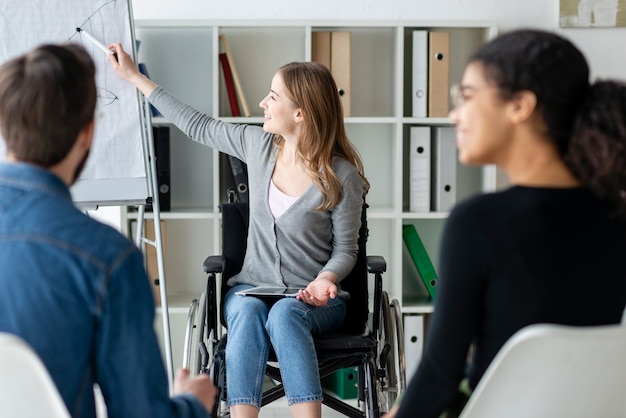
418	309
182	56
178	213
424	215
179	302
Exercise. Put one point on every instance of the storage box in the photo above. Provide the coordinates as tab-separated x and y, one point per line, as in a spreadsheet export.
343	382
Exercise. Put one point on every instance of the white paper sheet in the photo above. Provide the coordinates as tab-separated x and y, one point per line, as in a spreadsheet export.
117	151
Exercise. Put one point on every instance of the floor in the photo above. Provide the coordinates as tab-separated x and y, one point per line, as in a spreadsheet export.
277	409
280	409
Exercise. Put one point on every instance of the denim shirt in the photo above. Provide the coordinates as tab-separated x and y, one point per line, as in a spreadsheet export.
76	290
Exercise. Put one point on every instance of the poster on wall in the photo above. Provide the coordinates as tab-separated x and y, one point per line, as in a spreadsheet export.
592	13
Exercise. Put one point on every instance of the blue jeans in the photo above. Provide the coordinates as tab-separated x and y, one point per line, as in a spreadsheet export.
288	324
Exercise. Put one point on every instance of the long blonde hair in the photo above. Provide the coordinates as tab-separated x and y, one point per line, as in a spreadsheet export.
312	88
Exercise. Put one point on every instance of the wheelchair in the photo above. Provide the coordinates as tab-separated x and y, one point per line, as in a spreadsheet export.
374	344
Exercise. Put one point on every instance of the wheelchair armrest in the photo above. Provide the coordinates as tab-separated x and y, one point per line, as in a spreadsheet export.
214	264
376	264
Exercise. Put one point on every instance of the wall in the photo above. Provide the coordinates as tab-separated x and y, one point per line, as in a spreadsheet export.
604	48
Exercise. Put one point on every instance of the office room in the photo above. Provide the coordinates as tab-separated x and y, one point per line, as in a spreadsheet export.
220	57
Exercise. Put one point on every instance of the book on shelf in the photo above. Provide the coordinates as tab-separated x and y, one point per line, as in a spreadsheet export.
230	86
332	48
235	75
421	259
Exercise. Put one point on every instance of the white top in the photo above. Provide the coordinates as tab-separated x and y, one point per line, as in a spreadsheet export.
279	202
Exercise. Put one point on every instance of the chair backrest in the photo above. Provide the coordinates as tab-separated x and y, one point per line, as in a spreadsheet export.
547	370
26	388
234	233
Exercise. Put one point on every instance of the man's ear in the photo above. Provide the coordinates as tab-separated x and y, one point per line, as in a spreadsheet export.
85	136
522	106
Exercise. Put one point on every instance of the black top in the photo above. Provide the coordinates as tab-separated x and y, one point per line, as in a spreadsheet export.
510	259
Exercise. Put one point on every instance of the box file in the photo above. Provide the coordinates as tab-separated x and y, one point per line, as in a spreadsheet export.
438	74
444	173
413	342
333	50
161	139
420	73
419	167
320	48
340	66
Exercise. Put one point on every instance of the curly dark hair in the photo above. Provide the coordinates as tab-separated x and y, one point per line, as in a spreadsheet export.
597	149
585	121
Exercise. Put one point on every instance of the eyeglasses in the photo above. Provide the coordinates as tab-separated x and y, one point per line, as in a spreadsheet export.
457	96
458	93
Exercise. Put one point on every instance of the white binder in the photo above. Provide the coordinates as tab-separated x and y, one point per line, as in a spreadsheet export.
419	166
444	173
420	73
413	342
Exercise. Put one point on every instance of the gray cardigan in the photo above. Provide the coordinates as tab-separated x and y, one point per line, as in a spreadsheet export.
294	248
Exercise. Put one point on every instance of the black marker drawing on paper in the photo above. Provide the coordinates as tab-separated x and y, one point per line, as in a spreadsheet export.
95	24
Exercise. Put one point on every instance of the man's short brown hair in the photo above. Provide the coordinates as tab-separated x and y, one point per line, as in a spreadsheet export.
47	96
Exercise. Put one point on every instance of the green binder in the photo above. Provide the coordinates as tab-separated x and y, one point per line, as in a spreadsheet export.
421	259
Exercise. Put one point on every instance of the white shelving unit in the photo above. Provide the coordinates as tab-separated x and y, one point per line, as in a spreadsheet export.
182	56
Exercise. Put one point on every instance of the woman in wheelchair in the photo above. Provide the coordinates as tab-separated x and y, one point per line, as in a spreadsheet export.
307	189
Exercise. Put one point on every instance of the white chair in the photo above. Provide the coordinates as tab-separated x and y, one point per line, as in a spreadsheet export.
553	371
26	388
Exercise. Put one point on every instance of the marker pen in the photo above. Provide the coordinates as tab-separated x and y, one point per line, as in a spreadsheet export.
96	42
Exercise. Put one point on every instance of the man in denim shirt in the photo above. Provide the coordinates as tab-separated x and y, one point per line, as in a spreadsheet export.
74	289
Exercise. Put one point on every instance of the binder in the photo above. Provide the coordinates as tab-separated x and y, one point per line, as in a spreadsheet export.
340	67
320	48
161	138
444	175
233	178
421	259
419	166
240	176
438	74
420	73
413	288
333	50
233	70
413	343
151	258
230	86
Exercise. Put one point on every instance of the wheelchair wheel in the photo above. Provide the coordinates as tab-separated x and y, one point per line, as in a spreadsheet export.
400	356
387	375
371	407
202	329
192	336
217	371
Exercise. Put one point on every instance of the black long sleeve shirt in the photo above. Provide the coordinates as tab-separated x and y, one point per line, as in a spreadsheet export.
510	259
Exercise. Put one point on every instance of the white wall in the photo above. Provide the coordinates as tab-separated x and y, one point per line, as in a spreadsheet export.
604	48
